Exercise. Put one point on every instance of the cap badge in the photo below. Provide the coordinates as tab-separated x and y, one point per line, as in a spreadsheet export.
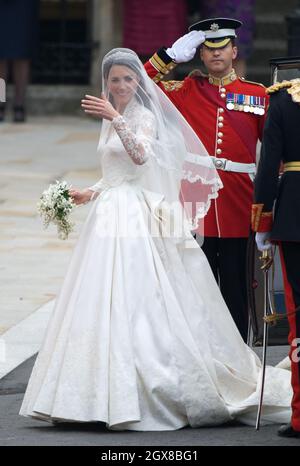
214	27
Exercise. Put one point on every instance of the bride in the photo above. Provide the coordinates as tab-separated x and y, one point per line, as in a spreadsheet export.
140	337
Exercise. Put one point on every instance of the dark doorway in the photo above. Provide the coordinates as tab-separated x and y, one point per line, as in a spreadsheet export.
65	45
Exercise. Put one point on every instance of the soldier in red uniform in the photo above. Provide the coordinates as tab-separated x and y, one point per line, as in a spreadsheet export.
228	114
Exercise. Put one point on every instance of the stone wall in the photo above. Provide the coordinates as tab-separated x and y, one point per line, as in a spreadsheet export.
271	36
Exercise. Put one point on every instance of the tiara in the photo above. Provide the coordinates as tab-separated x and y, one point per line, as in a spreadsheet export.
119	54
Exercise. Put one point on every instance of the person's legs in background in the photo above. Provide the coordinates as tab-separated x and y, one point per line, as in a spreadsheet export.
3	75
21	76
19	40
4	69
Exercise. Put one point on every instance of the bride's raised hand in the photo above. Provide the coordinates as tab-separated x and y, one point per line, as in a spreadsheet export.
99	107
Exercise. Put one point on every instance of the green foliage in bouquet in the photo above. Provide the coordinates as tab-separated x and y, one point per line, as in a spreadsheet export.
55	206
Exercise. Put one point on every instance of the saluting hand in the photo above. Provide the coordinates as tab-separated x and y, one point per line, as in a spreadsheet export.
99	107
185	47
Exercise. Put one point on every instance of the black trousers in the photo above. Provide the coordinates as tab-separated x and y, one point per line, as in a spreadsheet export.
290	264
227	258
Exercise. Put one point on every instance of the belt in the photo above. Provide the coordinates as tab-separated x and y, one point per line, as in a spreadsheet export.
291	167
229	166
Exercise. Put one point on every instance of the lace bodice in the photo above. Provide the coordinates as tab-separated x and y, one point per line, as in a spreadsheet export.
125	146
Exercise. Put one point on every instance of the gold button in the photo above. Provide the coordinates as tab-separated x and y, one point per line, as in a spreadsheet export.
219	141
220	135
221	110
219	151
220	118
223	96
220	125
222	89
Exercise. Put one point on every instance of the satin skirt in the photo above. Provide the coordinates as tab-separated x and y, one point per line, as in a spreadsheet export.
140	337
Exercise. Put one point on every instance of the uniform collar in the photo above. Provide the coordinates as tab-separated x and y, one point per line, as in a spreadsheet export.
229	78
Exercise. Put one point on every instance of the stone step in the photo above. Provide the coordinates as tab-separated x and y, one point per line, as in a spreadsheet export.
270	25
270	36
283	7
269	44
264	49
259	75
50	99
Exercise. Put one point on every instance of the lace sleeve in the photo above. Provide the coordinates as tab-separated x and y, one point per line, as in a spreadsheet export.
136	145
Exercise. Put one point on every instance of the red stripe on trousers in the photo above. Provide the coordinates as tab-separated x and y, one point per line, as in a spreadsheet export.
290	306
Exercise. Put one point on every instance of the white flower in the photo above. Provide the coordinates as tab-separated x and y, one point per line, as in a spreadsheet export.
55	206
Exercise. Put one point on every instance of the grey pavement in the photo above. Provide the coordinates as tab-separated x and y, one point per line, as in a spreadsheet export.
33	261
16	430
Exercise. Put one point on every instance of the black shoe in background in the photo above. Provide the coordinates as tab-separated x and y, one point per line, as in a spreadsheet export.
287	431
2	112
19	114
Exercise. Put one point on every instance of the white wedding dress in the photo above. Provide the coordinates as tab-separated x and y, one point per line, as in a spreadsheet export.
140	337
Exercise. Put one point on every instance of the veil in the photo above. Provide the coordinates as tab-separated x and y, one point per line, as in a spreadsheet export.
179	167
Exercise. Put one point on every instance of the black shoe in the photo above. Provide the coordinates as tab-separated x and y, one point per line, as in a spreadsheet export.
2	112
287	431
19	114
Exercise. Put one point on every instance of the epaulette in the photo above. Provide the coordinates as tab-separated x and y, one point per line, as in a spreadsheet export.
277	86
197	74
292	87
251	82
172	85
294	90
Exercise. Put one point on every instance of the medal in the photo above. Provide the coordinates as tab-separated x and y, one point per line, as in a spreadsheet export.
256	107
262	101
230	101
251	104
236	104
241	100
247	102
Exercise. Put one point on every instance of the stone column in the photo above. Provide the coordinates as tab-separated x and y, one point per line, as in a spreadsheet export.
106	30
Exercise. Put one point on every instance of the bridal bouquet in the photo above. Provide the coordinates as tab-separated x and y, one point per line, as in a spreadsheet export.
55	206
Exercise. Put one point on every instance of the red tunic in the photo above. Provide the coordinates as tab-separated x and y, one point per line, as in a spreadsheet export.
228	134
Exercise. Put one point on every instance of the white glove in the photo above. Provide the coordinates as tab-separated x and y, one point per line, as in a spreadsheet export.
262	241
185	47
